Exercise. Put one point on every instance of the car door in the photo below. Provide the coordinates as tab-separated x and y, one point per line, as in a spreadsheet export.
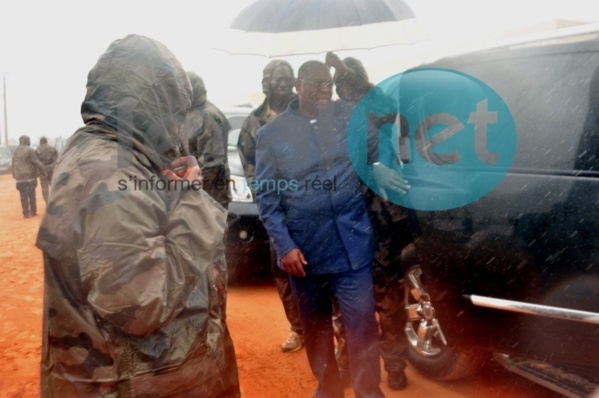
533	240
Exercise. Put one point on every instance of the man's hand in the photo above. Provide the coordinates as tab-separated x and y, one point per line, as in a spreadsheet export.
184	168
388	180
332	60
293	263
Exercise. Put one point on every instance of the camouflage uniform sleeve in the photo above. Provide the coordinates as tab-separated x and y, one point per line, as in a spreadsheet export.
204	139
247	149
196	135
214	142
35	160
139	256
54	157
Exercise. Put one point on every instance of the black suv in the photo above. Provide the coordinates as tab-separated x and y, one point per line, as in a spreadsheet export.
516	273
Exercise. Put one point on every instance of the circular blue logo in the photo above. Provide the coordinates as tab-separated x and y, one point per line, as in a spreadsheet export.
447	133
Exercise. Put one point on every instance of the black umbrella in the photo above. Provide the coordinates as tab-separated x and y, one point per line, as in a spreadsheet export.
296	15
288	27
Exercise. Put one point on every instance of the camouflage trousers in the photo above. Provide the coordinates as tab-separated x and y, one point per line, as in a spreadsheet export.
45	184
392	235
28	200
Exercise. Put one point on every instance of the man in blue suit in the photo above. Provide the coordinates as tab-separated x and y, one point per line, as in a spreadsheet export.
311	203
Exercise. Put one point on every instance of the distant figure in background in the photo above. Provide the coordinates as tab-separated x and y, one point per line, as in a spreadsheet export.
47	155
277	84
392	233
207	129
26	167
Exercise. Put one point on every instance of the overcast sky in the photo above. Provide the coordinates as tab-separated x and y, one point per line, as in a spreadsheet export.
48	47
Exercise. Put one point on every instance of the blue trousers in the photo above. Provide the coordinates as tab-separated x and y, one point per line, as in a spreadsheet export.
354	292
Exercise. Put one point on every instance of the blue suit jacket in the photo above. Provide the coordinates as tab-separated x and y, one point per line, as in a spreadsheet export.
308	193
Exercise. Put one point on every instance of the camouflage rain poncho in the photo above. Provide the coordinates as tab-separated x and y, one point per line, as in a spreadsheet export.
208	131
134	300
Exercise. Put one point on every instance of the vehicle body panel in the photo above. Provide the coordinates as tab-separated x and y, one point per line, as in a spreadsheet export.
534	238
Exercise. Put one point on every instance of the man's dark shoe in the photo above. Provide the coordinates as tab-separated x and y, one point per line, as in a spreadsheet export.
397	380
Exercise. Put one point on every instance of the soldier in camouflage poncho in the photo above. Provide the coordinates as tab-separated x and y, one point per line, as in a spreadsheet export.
135	275
208	131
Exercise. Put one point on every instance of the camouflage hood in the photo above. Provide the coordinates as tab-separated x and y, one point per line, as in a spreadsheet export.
199	89
143	106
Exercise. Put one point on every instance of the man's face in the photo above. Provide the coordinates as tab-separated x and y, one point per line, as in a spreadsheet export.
315	89
281	82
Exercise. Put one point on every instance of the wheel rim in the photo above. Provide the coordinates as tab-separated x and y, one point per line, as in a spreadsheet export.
422	328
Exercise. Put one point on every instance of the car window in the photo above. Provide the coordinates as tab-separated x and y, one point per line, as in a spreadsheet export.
550	105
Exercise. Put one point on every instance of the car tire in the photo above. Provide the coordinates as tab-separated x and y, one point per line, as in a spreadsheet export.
428	350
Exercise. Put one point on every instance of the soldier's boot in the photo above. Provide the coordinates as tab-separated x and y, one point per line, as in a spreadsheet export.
397	380
294	342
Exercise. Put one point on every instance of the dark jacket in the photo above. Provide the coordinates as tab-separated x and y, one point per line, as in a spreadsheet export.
47	155
248	136
26	164
247	140
309	195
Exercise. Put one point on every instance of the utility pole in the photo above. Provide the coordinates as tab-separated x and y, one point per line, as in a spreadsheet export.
5	112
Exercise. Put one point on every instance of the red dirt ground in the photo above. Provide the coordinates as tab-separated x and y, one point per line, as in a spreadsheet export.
255	318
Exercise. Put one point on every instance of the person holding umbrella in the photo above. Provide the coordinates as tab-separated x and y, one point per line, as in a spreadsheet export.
392	234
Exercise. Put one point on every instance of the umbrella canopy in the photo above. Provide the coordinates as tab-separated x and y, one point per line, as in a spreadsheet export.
297	15
289	27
